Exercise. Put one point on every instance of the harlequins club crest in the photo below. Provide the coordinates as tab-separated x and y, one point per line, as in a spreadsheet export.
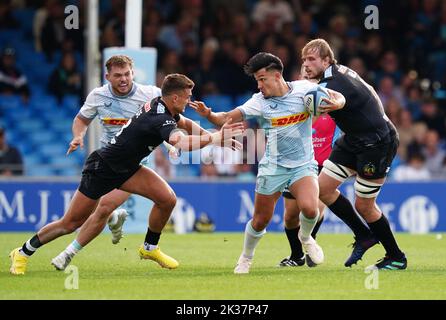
369	169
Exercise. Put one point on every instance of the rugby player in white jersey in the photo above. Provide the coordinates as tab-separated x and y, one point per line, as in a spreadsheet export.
288	160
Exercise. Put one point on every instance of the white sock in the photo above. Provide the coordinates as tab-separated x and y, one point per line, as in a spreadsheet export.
252	237
150	247
307	225
73	248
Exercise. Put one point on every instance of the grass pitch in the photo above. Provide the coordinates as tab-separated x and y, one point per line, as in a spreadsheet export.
109	271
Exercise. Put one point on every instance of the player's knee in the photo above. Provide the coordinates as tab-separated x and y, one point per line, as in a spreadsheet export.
289	221
364	207
360	206
104	210
168	202
70	226
326	192
260	222
309	210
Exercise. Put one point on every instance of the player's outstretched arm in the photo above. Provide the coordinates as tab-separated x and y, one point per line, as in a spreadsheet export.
225	136
336	101
217	118
190	126
79	128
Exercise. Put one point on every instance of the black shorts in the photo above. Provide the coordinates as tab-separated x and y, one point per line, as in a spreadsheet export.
99	179
287	194
372	162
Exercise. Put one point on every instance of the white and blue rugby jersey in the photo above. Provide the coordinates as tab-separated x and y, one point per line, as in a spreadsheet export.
287	125
114	111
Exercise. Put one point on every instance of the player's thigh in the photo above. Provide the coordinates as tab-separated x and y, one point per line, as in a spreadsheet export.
145	182
80	209
335	171
113	200
327	184
306	192
374	162
264	206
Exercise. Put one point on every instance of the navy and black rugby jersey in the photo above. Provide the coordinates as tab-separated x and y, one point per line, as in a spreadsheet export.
152	125
362	119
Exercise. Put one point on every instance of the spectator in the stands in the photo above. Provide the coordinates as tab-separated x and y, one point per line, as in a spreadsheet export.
162	165
7	20
388	90
66	79
433	153
150	39
174	36
273	13
12	80
53	30
11	163
39	21
433	117
414	170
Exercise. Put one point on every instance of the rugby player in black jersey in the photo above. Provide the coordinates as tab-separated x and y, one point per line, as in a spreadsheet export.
117	165
366	149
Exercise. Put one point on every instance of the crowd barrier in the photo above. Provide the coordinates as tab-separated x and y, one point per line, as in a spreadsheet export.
29	205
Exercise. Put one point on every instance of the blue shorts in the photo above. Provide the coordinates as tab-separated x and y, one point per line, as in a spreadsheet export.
274	178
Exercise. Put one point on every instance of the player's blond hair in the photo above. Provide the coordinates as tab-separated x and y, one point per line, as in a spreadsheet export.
120	61
321	47
175	82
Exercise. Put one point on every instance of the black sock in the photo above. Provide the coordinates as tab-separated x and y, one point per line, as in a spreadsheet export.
316	228
343	209
33	245
152	237
295	245
381	230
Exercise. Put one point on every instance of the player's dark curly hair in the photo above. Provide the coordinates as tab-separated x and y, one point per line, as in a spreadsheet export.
263	60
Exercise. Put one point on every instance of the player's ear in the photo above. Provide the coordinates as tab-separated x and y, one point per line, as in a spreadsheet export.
326	61
107	76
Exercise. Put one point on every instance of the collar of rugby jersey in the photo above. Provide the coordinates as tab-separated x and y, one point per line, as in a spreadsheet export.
328	73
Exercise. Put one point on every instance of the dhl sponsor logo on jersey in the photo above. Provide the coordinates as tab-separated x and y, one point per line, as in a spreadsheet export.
289	120
114	121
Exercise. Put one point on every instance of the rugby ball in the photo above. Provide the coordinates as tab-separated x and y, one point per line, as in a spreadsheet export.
313	100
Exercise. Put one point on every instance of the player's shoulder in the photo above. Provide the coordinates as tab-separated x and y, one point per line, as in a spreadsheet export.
156	109
337	71
256	99
148	90
302	86
102	90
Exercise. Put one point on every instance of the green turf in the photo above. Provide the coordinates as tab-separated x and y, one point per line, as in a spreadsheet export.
109	271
